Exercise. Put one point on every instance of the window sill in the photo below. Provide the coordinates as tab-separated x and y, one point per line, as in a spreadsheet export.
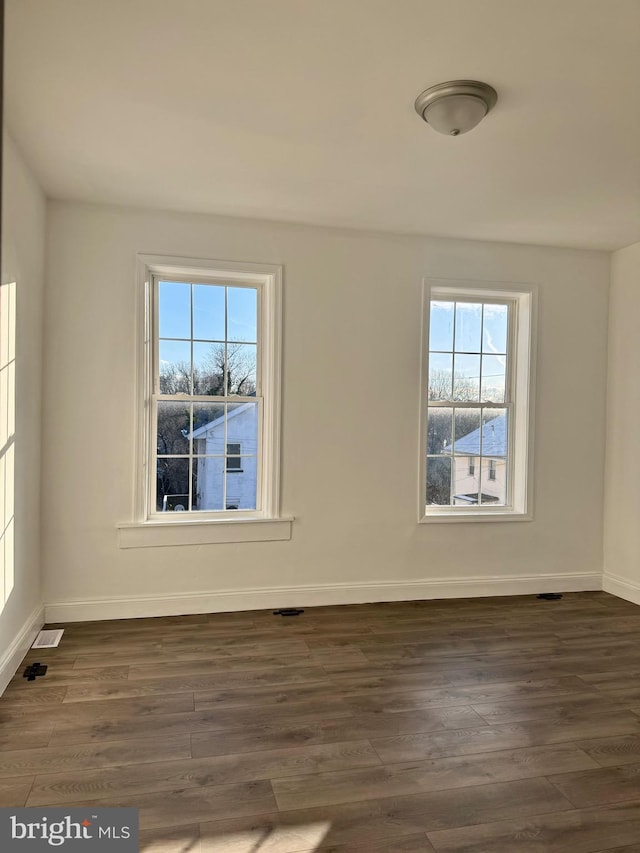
156	534
471	516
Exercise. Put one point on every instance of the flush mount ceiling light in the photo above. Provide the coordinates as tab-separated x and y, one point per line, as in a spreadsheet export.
456	107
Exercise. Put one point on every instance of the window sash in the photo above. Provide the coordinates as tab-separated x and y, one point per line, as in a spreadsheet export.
155	397
519	370
509	459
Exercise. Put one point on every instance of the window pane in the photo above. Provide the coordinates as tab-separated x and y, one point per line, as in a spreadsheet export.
234	462
208	369
495	433
208	429
495	446
208	312
242	427
172	485
173	428
438	481
439	435
241	484
494	482
467	432
174	310
241	369
441	326
208	483
440	376
468	326
494	336
174	367
466	379
493	378
465	485
242	314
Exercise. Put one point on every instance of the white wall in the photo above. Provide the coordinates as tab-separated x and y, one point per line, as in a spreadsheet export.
622	480
23	236
350	419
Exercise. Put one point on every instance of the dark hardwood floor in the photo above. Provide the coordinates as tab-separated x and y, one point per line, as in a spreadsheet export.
501	725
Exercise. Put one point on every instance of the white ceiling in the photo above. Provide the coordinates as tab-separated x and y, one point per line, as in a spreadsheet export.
302	110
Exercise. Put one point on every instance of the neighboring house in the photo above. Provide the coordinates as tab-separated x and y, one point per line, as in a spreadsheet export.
471	469
232	459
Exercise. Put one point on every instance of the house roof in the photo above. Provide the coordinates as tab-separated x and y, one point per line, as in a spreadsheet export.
494	439
198	433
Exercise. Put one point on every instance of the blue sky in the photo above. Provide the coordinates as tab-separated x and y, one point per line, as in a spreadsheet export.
472	334
480	346
208	312
174	318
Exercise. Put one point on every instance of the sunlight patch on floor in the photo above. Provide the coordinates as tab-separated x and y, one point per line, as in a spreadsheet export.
266	838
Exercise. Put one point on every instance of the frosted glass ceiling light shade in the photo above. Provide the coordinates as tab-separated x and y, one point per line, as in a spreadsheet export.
456	107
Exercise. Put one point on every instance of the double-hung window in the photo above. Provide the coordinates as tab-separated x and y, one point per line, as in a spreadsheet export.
210	395
477	402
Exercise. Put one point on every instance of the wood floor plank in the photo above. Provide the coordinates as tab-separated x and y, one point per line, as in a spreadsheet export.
330	788
192	805
13	739
218	720
83	713
546	707
180	839
441	697
15	697
58	676
378	820
411	747
84	756
14	792
285	734
184	684
193	652
370	679
414	844
239	664
612	751
277	695
266	839
601	786
55	788
579	831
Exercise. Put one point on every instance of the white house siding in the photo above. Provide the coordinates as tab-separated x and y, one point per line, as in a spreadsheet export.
210	467
466	484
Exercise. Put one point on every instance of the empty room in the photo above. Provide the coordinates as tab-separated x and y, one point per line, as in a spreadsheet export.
319	445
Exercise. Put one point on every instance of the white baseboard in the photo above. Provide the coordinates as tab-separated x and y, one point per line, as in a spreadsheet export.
621	587
14	655
309	596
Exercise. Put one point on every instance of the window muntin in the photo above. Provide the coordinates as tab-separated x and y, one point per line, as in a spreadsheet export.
477	394
469	400
206	402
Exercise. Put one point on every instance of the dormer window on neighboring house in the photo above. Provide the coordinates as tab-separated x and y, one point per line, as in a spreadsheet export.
234	460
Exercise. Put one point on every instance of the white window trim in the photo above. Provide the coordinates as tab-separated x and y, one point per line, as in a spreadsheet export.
148	528
522	345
